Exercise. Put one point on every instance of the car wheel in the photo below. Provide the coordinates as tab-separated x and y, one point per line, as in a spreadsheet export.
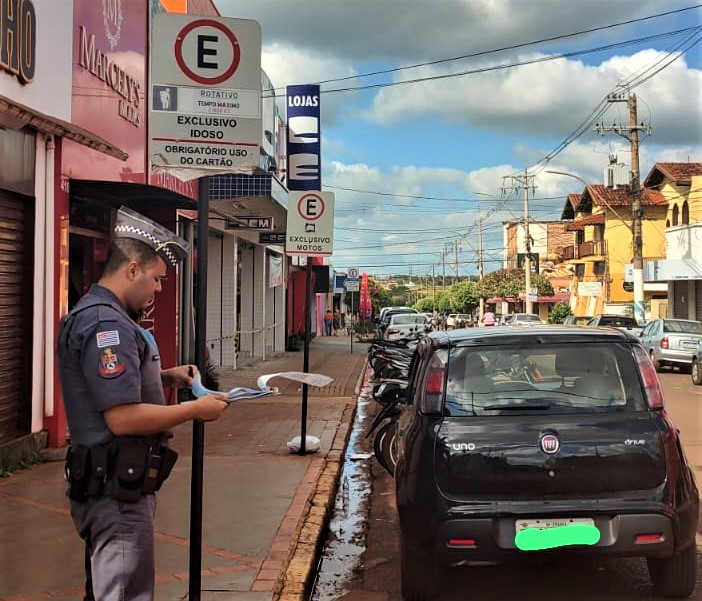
696	372
656	362
418	575
675	576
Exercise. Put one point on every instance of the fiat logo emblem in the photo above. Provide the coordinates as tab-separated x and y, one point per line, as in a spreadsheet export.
550	444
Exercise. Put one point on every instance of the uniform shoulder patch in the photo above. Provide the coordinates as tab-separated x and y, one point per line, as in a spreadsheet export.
110	365
107	338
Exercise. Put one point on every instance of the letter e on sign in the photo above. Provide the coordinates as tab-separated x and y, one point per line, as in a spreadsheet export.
310	207
207	52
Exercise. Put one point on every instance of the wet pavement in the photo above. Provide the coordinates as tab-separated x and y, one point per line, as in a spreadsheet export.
347	530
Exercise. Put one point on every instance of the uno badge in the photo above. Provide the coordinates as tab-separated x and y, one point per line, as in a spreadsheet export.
110	367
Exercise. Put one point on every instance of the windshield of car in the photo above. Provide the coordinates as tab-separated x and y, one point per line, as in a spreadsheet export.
408	319
618	321
527	317
544	377
682	327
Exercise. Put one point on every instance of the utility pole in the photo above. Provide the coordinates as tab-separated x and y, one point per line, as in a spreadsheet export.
433	291
443	267
636	212
525	182
456	259
480	265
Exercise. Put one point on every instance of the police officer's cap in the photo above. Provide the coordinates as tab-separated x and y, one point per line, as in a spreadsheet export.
167	245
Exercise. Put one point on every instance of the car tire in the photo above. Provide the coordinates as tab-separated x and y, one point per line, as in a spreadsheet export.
656	362
696	372
674	577
418	575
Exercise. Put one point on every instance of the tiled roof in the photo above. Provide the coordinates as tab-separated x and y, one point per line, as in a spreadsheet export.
574	199
579	224
619	197
680	173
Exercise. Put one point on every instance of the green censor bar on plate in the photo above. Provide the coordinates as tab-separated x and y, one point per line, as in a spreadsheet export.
537	539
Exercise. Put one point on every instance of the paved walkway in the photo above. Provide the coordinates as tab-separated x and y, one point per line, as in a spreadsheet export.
264	508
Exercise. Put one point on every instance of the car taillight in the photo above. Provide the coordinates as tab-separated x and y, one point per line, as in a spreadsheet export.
652	385
433	396
664	342
393	331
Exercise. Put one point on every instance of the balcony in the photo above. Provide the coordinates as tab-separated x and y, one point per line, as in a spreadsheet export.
591	248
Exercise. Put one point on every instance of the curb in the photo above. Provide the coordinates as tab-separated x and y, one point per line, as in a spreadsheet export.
294	577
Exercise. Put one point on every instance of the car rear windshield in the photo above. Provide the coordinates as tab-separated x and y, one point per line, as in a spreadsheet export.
546	378
618	321
682	327
409	318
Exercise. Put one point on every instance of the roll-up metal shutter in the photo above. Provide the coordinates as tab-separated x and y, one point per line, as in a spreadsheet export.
680	299
16	278
698	300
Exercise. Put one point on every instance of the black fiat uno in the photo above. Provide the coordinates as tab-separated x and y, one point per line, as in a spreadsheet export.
543	440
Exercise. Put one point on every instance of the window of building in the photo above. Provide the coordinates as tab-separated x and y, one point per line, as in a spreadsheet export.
580	270
675	214
599	268
685	213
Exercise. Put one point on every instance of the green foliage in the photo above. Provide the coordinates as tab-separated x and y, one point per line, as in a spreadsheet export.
509	283
464	297
424	305
559	312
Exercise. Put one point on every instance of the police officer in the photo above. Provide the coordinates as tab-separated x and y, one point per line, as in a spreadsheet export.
119	421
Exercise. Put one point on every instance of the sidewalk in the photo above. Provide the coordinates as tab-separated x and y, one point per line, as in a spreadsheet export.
264	508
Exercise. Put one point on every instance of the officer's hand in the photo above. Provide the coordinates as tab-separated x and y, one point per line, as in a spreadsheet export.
210	407
179	377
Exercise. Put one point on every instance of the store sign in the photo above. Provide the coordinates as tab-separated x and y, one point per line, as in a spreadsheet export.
206	93
101	65
304	138
18	38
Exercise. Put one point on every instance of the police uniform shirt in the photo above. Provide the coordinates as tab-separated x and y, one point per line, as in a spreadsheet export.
104	361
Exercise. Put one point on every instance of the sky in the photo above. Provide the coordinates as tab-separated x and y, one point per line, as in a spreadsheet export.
492	89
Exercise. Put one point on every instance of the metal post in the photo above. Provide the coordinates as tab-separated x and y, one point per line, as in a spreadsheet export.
198	447
306	358
527	241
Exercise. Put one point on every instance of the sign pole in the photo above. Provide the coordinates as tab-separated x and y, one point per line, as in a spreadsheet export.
306	355
352	328
198	448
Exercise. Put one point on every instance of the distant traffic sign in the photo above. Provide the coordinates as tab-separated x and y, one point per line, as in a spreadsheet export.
353	273
352	285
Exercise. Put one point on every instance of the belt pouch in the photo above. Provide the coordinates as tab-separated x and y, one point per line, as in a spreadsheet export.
168	460
129	472
98	470
77	472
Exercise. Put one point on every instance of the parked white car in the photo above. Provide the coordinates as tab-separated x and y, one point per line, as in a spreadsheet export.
405	325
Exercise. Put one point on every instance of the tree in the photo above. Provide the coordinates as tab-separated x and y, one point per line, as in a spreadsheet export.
509	283
559	312
464	297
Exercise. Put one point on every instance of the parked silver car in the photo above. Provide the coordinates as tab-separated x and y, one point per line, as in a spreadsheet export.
671	342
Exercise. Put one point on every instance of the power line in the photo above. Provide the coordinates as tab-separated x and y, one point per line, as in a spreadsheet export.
505	48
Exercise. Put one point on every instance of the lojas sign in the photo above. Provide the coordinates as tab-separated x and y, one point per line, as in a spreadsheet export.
304	137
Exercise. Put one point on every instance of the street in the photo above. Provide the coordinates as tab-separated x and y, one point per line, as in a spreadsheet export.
552	580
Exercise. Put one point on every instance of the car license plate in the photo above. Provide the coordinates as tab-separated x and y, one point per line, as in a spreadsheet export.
543	523
689	344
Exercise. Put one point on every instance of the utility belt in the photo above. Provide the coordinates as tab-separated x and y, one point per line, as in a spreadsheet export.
124	469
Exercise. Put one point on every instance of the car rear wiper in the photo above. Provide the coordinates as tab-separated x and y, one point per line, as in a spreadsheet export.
509	407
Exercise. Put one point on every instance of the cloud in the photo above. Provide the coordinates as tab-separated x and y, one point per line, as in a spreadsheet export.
551	98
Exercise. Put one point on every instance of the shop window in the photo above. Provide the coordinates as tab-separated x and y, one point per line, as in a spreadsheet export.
685	214
580	270
675	214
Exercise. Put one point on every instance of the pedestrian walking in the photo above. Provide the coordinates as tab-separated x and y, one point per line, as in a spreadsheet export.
119	422
328	322
336	321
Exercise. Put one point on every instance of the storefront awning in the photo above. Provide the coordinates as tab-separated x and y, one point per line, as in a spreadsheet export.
22	116
135	194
